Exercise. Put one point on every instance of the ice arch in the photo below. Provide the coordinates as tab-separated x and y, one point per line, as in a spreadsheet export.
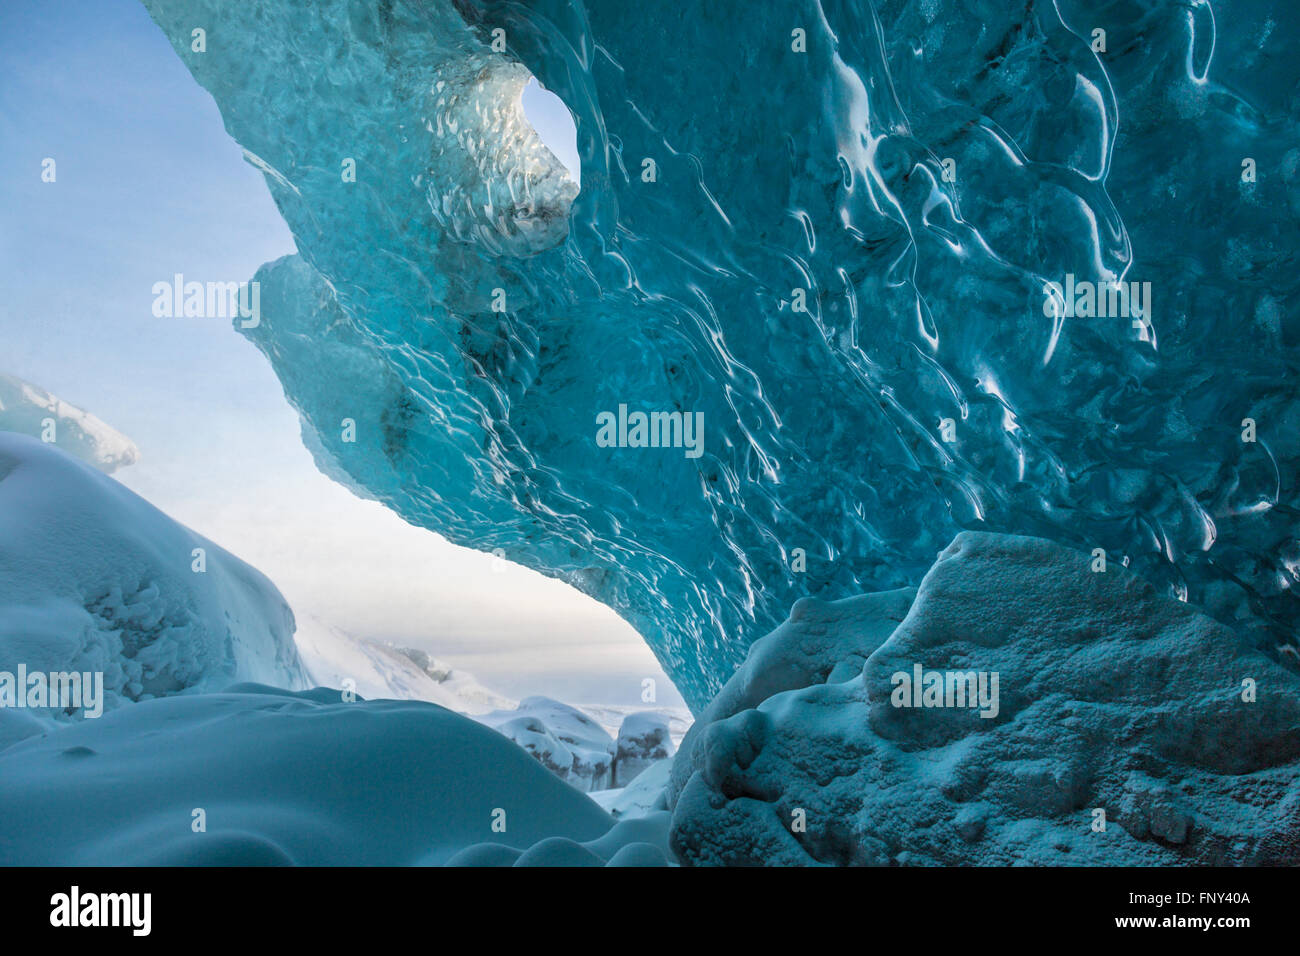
843	278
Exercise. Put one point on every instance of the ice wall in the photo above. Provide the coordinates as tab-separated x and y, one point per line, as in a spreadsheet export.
827	227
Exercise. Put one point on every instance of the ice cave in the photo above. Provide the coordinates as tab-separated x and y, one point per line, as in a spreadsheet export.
874	338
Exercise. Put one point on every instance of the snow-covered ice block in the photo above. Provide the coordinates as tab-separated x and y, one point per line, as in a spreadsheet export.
95	579
1127	728
611	717
562	738
30	410
821	641
644	739
277	777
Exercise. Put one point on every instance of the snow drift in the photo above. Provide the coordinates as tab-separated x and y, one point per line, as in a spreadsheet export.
259	776
95	579
640	840
1131	730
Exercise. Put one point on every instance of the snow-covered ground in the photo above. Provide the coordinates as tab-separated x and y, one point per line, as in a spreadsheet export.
1112	698
583	746
187	766
256	775
645	794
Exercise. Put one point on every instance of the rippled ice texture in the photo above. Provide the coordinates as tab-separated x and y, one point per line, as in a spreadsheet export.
780	170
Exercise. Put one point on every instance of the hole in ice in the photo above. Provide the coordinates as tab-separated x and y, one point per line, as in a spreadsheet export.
554	124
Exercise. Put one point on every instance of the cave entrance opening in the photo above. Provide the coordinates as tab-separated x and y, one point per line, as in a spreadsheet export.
553	122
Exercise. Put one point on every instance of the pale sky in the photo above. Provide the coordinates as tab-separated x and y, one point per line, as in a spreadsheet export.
148	185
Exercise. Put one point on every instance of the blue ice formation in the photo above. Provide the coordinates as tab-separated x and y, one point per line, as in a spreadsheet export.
843	232
1125	729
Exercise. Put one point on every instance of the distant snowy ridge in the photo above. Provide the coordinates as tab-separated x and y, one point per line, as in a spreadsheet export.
27	409
580	745
384	671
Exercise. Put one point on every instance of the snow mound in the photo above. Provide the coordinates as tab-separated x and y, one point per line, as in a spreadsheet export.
822	641
562	738
95	579
25	408
383	671
277	777
639	841
1129	729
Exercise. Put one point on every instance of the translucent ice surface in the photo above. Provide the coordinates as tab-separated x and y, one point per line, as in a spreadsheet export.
844	233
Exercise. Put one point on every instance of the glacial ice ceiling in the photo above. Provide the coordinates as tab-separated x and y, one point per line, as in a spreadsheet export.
838	256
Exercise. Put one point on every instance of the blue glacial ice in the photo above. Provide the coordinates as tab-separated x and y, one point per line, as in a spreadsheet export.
827	227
